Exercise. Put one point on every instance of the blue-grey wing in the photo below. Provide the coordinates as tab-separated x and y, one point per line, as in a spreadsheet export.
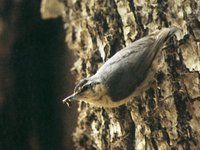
127	68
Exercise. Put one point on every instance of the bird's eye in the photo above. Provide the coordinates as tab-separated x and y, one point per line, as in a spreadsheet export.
86	87
80	85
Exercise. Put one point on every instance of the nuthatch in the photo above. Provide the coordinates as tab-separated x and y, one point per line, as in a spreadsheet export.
124	75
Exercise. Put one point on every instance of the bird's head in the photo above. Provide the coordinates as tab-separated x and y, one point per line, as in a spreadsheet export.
88	90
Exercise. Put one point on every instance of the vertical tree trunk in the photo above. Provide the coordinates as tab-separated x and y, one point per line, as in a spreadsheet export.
98	29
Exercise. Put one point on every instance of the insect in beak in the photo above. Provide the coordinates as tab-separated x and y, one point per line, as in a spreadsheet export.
68	99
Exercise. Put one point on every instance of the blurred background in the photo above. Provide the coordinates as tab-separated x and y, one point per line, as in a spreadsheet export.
34	78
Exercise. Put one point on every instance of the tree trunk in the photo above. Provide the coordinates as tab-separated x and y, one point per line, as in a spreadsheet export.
167	115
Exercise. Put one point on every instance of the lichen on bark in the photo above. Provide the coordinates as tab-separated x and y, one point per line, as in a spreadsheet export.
167	115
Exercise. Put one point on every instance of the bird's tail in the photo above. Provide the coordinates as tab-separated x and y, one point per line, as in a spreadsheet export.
163	35
160	36
172	30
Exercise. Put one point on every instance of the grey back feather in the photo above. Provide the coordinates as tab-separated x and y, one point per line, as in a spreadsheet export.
126	70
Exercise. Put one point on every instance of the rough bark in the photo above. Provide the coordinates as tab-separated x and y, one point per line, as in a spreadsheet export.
98	29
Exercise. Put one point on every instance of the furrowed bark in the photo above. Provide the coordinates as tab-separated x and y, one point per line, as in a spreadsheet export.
167	115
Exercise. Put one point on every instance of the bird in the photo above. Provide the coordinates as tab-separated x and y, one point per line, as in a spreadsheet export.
126	74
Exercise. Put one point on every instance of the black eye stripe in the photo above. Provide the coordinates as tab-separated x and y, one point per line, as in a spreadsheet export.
84	88
80	84
84	85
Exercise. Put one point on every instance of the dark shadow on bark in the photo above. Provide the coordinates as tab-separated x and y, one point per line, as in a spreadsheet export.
33	78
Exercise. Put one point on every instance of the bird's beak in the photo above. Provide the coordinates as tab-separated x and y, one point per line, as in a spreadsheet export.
70	98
